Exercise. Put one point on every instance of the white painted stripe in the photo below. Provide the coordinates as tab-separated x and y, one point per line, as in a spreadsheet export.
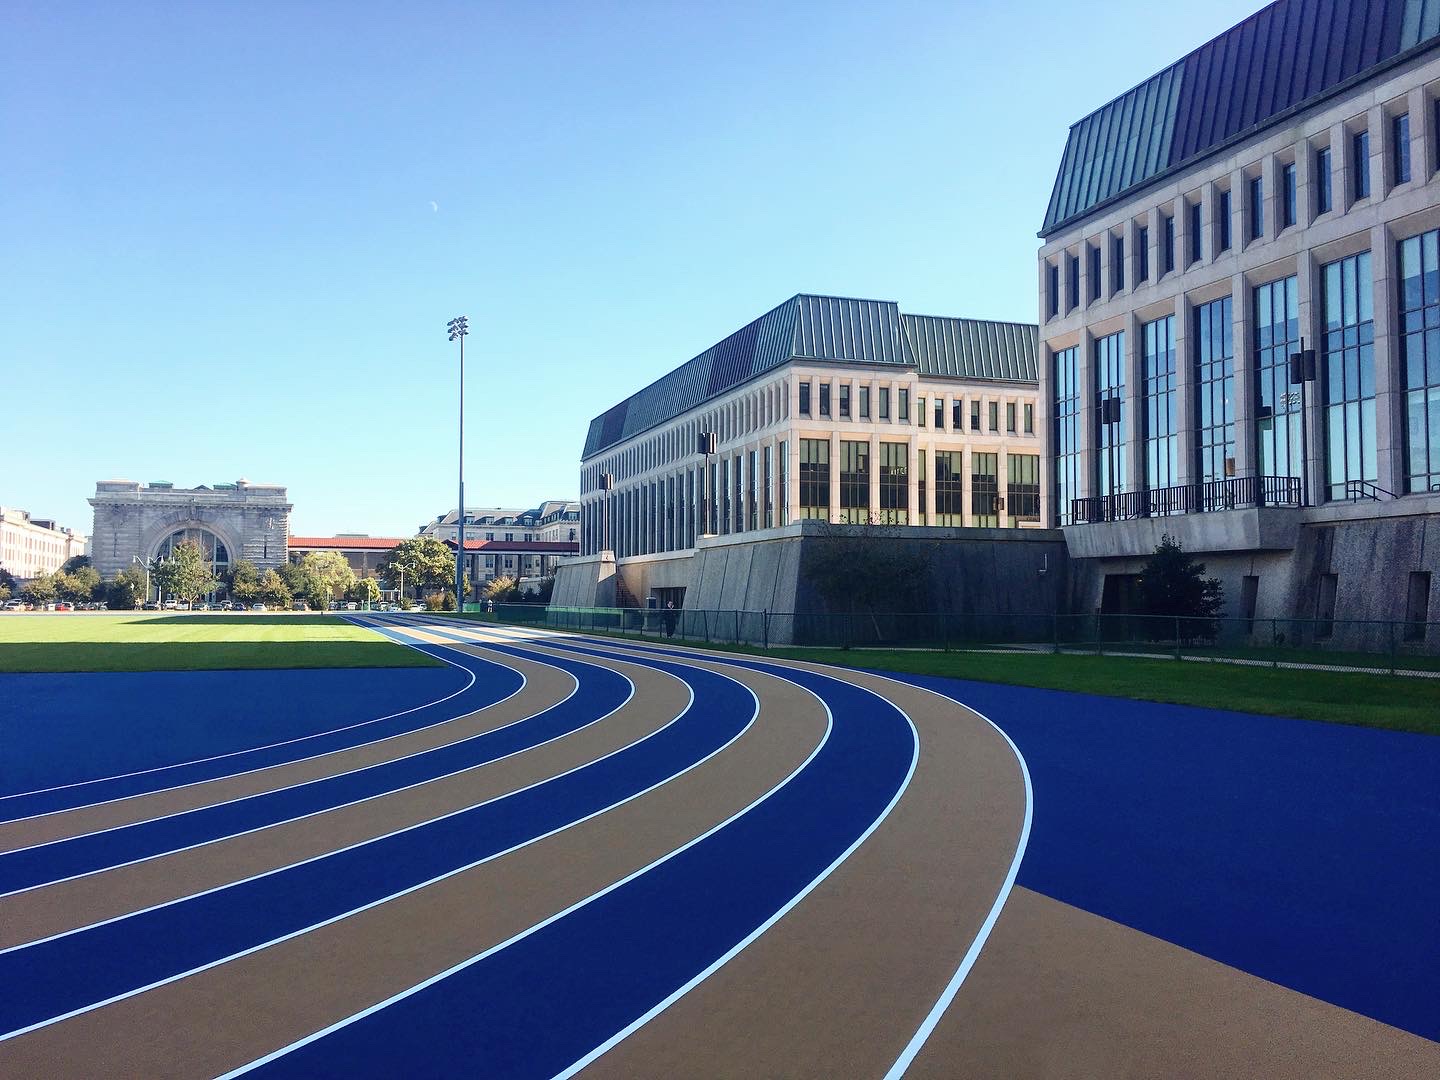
256	749
403	892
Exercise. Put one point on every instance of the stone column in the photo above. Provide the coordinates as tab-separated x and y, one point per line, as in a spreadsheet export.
1311	302
913	509
1185	391
1390	463
874	495
1089	419
1242	309
834	472
1134	405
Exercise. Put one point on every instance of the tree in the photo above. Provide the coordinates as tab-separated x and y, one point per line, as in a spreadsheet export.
78	585
4	593
326	569
272	590
1173	585
363	591
127	591
75	562
425	561
7	579
244	581
501	590
39	590
185	575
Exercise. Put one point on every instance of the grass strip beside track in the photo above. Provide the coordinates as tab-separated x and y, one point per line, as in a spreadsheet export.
1379	701
194	642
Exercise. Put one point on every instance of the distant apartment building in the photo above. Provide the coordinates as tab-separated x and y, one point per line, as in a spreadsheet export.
516	543
32	546
1240	317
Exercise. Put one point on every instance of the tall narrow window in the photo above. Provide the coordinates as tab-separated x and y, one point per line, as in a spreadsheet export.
1323	200
1168	243
921	510
993	413
824	399
1162	441
784	482
921	416
854	483
1010	417
1066	421
984	491
752	507
1022	488
1142	254
1400	148
1052	289
815	479
1257	207
1288	210
957	407
1029	419
845	401
1073	285
904	405
1117	263
1223	211
1110	466
1197	247
864	403
1094	272
1360	164
1277	415
939	414
768	487
1349	374
1420	359
805	398
894	483
975	414
1214	368
884	403
949	488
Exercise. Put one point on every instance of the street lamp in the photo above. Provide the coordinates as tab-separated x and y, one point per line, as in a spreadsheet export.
137	559
707	445
1110	418
458	328
1302	370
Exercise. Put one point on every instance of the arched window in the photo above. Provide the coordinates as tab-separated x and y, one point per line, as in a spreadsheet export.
212	548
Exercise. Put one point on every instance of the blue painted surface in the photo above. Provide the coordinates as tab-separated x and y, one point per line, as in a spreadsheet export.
1302	852
54	977
539	1005
73	729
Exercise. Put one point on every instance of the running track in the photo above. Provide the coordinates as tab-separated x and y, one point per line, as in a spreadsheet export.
565	854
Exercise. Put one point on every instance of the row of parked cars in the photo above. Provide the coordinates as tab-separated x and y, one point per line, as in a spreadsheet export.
59	605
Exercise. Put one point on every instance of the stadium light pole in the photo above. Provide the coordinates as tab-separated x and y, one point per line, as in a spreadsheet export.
458	328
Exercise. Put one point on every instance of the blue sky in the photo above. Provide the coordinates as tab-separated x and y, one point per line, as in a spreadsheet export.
232	234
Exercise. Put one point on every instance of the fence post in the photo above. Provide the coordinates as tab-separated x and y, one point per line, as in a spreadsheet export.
766	624
1177	637
737	627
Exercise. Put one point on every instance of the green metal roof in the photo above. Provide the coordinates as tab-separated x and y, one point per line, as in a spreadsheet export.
829	328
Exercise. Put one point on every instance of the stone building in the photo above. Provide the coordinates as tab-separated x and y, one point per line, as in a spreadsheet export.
1239	298
517	543
31	546
231	521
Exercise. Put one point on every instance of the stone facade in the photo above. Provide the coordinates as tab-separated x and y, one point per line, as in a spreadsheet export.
132	521
31	546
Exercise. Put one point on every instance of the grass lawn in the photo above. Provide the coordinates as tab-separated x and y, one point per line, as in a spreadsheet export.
199	642
1399	703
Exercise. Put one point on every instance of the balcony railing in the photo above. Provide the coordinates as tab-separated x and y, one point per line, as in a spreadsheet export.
1233	493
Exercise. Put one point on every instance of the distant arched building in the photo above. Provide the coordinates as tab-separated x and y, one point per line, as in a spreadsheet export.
230	522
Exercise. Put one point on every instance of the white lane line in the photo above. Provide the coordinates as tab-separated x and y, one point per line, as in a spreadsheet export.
478	957
256	749
295	787
385	899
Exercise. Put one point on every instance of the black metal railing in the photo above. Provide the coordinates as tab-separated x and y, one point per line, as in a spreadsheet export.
1355	490
1232	493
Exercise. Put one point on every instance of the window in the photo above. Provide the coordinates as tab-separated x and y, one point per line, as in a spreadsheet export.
824	399
1094	251
1197	247
1214	350
1142	254
1110	466
784	484
904	404
894	483
1323	200
1257	208
1222	210
1420	359
939	414
1277	416
854	483
864	403
1074	282
921	416
1052	289
949	488
984	491
1400	148
1010	417
1288	210
1029	419
815	479
1066	421
884	403
921	511
729	494
975	415
1360	164
845	401
994	416
957	412
1161	434
1117	263
752	509
1349	373
767	487
1167	256
1022	487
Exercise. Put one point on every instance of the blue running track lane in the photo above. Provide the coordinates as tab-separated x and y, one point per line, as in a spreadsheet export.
47	980
248	720
544	1002
28	868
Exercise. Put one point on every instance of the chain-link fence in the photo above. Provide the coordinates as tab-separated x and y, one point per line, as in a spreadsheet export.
1368	645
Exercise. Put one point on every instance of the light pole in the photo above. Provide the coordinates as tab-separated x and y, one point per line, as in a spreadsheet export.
707	447
607	485
458	328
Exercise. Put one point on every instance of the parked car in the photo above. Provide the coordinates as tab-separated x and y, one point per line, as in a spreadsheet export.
150	605
16	605
170	605
258	607
301	605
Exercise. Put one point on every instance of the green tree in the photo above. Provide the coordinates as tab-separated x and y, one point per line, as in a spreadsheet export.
79	585
501	589
272	590
185	575
7	579
127	591
39	590
363	591
244	581
1174	585
75	562
4	593
425	561
326	569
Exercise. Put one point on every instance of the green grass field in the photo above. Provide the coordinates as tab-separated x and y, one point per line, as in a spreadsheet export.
199	642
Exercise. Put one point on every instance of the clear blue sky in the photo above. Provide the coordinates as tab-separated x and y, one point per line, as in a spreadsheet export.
231	234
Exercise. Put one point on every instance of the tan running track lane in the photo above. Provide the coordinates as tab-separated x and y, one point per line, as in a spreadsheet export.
230	1015
546	688
53	909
